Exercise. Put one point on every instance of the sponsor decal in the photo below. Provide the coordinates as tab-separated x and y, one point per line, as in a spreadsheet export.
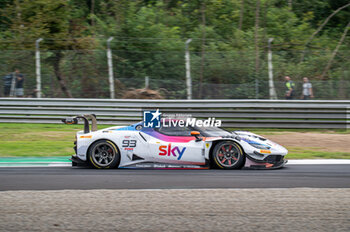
265	151
139	127
128	148
171	151
85	136
144	165
174	166
128	143
159	166
207	145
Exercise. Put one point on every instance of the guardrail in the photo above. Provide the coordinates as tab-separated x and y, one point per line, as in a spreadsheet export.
233	113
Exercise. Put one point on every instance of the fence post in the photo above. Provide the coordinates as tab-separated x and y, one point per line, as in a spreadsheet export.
110	68
272	90
146	82
188	70
13	84
38	68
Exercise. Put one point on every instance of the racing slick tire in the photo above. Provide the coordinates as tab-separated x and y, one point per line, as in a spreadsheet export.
104	154
228	155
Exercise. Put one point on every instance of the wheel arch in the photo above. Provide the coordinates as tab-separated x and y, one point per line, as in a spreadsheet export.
214	143
98	140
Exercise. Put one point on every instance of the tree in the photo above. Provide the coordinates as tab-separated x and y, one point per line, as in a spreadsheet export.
203	16
319	29
229	37
329	64
53	21
257	55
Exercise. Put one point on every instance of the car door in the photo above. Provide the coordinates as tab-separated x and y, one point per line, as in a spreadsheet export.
171	144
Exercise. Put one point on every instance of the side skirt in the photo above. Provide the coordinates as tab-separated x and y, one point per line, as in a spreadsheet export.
150	165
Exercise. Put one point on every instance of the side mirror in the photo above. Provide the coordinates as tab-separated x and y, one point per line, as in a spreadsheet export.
196	134
70	121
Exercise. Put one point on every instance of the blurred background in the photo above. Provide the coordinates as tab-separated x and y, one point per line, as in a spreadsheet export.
228	52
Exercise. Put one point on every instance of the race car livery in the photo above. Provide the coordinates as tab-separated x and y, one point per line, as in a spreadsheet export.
172	147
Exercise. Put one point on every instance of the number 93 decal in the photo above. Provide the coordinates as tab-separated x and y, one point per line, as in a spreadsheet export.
129	143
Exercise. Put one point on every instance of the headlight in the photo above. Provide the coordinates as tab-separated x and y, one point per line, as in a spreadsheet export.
260	146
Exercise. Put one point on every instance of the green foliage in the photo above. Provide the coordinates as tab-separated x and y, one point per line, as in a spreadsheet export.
149	40
37	139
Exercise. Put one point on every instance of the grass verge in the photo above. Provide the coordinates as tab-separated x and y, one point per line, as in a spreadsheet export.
276	131
45	140
314	153
35	140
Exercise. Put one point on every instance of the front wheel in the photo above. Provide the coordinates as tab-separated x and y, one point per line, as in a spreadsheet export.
228	155
104	154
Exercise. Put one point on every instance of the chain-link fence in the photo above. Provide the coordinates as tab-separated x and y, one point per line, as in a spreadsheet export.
215	74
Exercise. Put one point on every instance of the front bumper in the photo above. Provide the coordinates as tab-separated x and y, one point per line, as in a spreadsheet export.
270	162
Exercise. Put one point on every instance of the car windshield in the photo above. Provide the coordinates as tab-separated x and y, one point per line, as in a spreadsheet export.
175	130
186	131
212	131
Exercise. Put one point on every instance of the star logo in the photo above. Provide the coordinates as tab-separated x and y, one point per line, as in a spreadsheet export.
156	115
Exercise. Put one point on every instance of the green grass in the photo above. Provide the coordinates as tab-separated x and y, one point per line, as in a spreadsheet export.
44	140
275	131
314	153
35	140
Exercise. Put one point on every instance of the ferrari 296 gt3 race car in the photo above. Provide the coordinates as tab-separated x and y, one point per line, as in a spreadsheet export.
172	147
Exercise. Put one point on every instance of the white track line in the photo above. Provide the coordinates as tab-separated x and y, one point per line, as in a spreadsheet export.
319	161
35	164
60	164
68	164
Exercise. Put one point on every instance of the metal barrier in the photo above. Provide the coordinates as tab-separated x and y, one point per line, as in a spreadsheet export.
233	113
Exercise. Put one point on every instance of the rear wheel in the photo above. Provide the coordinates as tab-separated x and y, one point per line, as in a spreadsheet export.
228	155
104	154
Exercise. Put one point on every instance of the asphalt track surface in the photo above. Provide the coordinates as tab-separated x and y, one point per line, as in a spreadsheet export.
60	178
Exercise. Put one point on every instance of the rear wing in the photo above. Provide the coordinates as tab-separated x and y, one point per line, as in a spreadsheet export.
86	118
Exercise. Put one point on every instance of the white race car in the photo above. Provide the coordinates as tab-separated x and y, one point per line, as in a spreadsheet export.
172	147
